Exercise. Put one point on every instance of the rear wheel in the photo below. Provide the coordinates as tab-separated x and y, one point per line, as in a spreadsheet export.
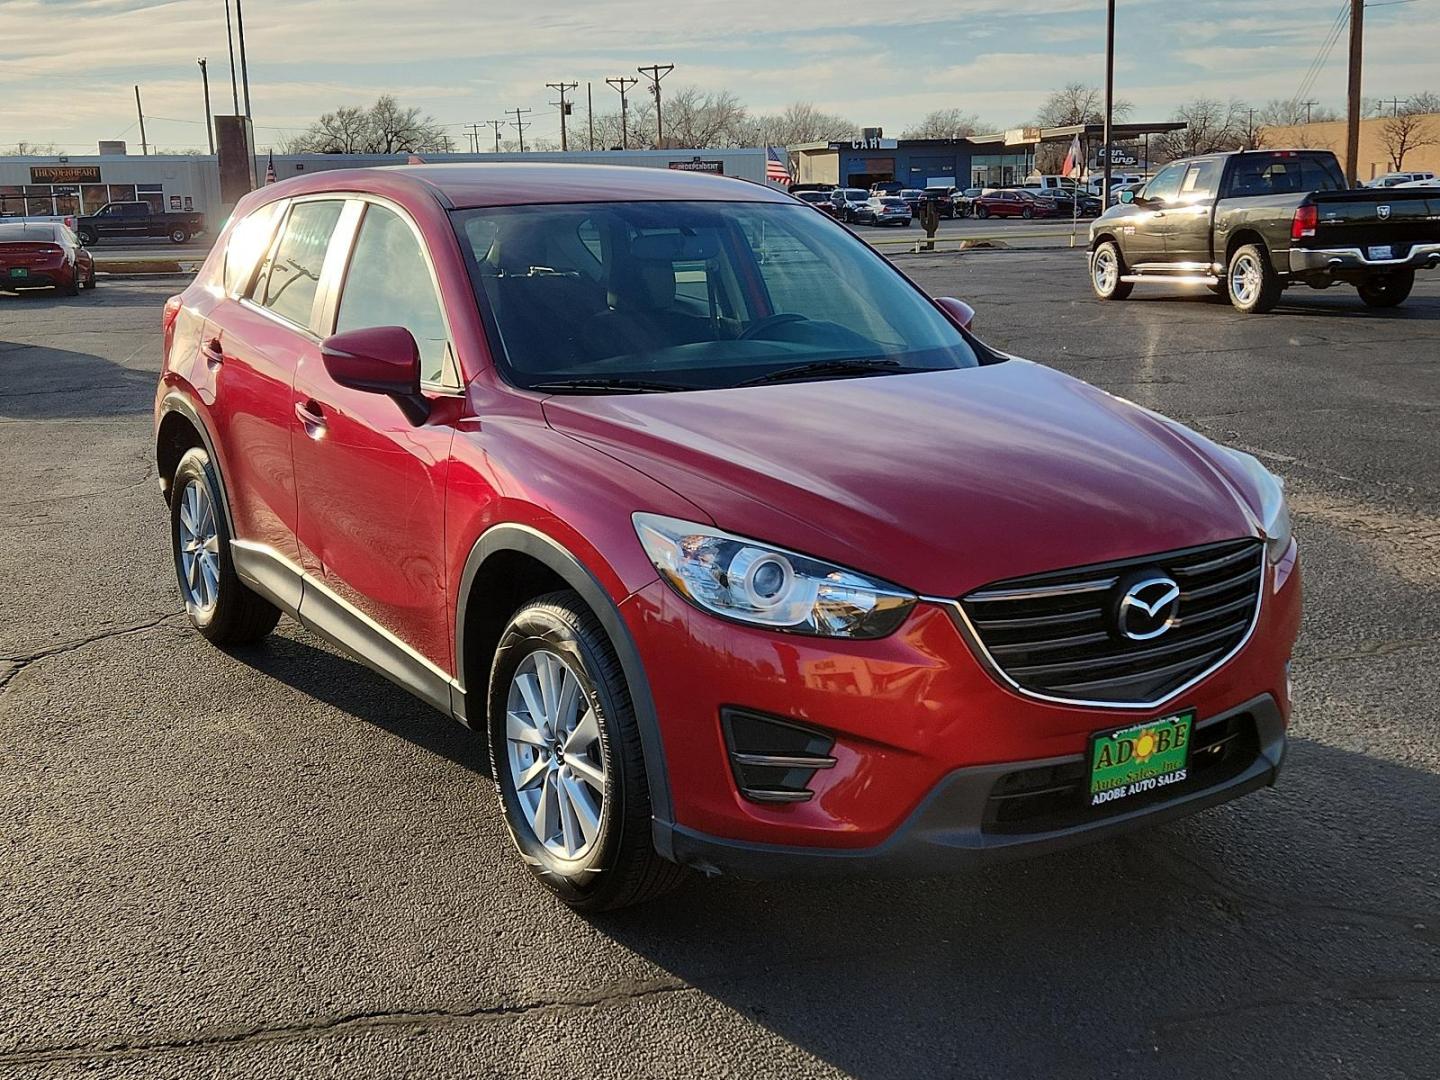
219	604
565	753
982	211
1388	290
1027	213
87	237
1253	284
178	236
1106	268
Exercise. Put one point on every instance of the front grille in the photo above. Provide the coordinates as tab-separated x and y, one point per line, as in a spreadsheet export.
1050	797
1057	634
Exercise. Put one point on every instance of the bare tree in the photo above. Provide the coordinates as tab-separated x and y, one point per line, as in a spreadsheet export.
1076	103
1288	112
946	124
29	149
799	122
696	118
384	128
1210	125
1409	129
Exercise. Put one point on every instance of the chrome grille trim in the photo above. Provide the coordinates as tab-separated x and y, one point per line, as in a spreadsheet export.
1070	624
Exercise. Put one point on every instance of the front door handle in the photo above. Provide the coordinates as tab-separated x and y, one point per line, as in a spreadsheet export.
310	415
213	353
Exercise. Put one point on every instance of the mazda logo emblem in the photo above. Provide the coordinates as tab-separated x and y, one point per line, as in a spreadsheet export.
1383	211
1148	607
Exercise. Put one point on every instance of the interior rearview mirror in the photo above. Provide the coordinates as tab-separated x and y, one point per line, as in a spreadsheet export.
958	311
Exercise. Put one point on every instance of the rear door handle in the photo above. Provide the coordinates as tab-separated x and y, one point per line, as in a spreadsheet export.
213	353
310	415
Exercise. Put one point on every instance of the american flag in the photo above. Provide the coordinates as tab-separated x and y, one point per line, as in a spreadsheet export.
777	168
270	169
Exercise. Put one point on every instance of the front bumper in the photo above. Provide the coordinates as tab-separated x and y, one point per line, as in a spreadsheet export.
1350	259
948	831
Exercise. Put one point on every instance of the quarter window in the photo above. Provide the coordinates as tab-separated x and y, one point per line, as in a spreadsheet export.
389	284
288	289
248	241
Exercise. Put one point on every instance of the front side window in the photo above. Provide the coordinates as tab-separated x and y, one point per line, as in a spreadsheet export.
693	295
1166	185
389	284
288	287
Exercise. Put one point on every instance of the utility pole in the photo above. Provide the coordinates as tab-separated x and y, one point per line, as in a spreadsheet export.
144	146
590	113
1308	105
496	124
1109	92
209	127
623	84
1250	131
244	68
1352	113
656	72
563	88
474	134
1395	104
520	126
230	41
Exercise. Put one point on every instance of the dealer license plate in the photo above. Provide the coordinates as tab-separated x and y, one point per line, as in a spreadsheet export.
19	271
1384	252
1140	759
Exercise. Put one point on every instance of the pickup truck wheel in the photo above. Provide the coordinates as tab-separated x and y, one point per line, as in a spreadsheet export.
1388	290
87	237
1254	286
178	236
566	757
1106	266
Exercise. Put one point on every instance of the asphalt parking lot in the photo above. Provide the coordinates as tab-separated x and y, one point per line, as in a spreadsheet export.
272	863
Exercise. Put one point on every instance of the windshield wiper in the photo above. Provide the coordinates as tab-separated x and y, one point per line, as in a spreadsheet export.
608	386
831	367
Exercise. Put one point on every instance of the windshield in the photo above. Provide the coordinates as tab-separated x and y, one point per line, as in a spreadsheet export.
700	295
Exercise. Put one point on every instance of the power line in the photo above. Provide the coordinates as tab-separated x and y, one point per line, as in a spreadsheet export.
496	124
520	125
1307	83
656	72
623	84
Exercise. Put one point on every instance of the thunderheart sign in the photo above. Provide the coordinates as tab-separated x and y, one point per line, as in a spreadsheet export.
1135	760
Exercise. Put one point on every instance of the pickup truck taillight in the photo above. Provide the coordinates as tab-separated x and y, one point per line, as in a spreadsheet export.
1306	218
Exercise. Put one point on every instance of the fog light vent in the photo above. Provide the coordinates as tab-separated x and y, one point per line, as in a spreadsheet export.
774	760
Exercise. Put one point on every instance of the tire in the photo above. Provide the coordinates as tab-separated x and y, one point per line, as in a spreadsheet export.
1251	282
87	238
220	605
615	865
1388	290
982	212
1106	268
178	236
90	282
1027	213
73	289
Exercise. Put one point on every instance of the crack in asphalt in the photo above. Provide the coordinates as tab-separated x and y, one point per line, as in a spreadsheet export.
21	662
347	1023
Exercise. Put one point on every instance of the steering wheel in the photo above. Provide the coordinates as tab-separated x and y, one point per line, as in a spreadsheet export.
754	329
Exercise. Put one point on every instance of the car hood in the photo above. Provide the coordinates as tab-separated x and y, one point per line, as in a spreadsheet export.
940	481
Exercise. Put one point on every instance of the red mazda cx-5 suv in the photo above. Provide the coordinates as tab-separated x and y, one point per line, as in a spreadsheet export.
742	553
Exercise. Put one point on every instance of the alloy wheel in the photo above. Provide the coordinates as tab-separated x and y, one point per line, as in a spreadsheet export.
555	757
199	547
1245	278
1106	271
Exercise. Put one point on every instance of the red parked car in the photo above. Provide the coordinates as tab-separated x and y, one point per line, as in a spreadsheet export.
36	254
1010	203
741	552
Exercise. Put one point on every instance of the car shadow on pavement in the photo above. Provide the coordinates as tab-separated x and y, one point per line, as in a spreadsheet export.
42	383
1248	940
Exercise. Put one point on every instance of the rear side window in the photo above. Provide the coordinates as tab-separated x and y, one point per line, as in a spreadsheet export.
248	242
389	284
1284	173
288	289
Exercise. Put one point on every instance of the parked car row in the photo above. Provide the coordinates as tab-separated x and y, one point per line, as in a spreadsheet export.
877	206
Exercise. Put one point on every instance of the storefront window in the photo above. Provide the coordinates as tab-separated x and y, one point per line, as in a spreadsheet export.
154	194
122	192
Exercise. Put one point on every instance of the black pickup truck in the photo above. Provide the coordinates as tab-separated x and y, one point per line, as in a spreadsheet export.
1252	223
122	220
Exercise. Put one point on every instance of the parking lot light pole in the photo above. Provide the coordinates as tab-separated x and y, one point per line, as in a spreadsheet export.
244	67
1109	94
230	41
209	125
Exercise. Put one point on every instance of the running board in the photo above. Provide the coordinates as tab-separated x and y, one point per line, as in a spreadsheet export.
1175	279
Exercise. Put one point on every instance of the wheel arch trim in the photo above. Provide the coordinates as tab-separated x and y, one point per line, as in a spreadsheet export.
514	537
176	402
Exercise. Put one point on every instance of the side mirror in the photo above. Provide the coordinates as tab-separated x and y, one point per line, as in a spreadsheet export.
957	311
1127	196
378	360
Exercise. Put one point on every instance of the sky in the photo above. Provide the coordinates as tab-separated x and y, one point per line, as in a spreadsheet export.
67	67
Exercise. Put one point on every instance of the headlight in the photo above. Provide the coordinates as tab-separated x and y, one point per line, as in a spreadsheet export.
766	586
1274	510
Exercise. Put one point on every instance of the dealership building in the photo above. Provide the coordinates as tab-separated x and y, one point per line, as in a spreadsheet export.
1006	157
71	185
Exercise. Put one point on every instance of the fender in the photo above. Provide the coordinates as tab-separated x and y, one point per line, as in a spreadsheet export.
177	402
543	549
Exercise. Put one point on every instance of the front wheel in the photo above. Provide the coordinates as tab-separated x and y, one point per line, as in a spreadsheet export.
1027	213
178	236
220	605
87	237
1106	269
982	211
566	757
1388	290
1253	284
